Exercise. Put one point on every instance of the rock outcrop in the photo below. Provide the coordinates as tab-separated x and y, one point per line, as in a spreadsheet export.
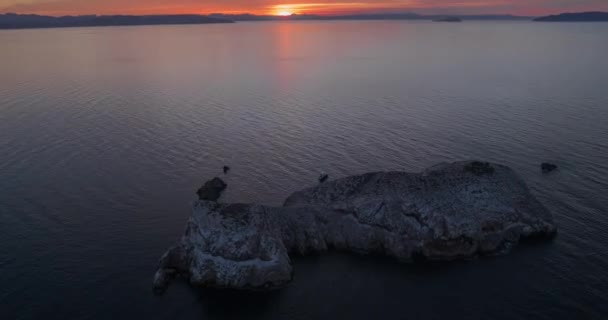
447	212
211	190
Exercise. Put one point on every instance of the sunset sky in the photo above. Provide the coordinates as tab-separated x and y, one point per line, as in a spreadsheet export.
520	7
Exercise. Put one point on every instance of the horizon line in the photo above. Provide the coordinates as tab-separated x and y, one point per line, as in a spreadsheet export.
286	16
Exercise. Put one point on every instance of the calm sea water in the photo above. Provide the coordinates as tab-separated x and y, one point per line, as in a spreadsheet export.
105	134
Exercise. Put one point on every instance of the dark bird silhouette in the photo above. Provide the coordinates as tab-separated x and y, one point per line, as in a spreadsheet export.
226	169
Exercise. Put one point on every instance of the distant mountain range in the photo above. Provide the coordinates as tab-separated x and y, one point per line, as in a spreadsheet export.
21	21
575	17
370	16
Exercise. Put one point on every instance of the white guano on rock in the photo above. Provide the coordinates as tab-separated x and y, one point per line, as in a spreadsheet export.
447	212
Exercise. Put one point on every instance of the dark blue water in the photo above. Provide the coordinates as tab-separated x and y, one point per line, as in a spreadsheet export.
105	134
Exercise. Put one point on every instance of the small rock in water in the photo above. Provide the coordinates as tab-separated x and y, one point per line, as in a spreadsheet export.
323	177
226	169
212	190
548	167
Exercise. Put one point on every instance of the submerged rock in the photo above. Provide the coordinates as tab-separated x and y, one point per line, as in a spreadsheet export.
323	177
212	189
548	167
448	212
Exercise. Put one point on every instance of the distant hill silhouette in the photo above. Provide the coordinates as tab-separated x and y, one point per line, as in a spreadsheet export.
488	17
251	17
22	21
370	16
448	19
575	17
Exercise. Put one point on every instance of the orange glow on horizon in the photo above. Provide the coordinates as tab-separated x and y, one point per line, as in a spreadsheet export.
322	8
283	10
289	7
284	13
146	7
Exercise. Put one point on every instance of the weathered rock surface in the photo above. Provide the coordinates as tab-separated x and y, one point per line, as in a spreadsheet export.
448	212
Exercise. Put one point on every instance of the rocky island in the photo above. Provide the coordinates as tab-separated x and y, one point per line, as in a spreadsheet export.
450	211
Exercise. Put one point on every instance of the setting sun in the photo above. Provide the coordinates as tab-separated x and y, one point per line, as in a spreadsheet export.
284	13
283	10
